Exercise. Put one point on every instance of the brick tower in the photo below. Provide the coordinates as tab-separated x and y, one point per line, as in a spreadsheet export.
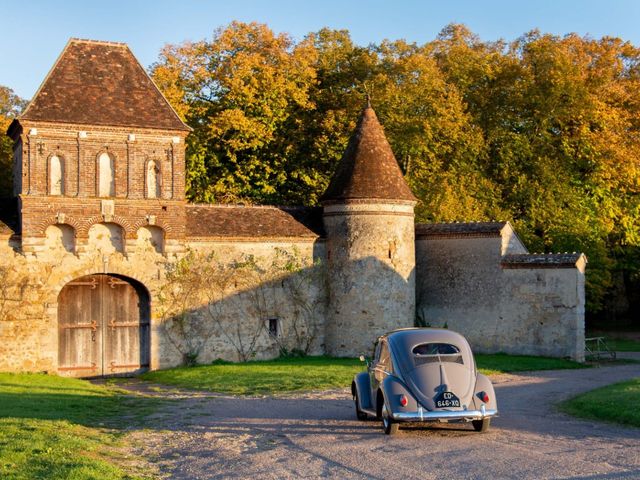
99	152
369	220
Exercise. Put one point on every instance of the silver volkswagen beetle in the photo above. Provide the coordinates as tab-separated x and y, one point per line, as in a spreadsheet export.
423	375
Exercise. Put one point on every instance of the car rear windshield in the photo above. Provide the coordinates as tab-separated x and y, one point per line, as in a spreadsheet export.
436	352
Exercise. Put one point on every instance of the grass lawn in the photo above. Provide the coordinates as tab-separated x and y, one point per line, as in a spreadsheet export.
613	403
503	363
262	377
618	341
62	428
623	344
312	373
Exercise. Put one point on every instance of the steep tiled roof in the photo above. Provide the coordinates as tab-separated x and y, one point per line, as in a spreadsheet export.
101	83
541	260
8	216
476	229
368	169
253	222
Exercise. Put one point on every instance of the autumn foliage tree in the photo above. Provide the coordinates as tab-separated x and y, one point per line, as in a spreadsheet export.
10	106
542	131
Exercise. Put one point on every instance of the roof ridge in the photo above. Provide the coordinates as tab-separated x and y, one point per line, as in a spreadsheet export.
238	205
97	42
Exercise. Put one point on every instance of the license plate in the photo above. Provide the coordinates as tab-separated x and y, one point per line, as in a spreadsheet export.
446	400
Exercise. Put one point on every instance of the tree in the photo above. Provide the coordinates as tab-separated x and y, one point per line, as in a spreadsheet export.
542	131
239	92
10	106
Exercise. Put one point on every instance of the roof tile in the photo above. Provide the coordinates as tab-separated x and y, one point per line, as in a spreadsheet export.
541	260
101	83
253	221
476	229
368	169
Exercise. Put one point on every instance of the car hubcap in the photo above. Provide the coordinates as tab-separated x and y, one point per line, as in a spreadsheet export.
385	416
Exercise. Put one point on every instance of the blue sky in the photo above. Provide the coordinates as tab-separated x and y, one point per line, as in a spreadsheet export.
35	31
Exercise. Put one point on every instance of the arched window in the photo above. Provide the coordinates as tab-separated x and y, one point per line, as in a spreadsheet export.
106	176
153	180
56	176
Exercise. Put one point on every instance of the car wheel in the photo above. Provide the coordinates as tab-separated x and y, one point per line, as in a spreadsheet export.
359	413
481	425
390	427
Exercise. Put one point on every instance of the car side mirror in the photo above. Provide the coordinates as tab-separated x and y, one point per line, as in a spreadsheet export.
364	359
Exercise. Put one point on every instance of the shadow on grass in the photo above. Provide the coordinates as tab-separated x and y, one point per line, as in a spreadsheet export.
54	398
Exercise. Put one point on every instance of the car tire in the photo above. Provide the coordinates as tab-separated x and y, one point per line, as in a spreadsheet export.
359	413
389	426
481	425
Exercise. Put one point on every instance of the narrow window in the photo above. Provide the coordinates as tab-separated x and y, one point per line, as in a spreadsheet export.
153	180
106	179
274	327
56	176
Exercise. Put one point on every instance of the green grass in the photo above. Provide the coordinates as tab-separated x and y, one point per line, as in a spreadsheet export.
262	377
623	344
62	428
313	373
503	363
614	403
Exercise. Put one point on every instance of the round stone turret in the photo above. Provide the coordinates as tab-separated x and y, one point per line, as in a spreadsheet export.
369	220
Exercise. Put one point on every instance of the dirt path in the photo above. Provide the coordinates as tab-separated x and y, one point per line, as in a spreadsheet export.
315	436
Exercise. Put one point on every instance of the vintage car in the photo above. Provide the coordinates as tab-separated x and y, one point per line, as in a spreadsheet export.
423	375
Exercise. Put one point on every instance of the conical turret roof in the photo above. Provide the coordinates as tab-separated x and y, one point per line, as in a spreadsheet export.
368	169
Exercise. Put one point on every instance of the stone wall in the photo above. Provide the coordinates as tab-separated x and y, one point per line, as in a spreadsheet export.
537	310
29	308
371	257
281	281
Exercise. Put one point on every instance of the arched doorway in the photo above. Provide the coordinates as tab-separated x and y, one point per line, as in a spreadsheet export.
103	327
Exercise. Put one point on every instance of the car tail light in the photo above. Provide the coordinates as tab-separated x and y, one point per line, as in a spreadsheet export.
403	400
484	397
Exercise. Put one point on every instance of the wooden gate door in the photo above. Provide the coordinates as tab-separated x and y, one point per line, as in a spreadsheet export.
103	327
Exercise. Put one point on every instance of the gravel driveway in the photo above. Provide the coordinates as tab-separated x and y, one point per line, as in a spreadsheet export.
316	436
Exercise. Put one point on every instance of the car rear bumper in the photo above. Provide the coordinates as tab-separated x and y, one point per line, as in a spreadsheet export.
422	415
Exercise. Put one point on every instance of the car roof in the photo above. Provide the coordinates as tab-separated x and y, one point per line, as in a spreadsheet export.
424	335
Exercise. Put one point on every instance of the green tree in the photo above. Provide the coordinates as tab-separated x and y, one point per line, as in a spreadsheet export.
10	106
542	131
239	92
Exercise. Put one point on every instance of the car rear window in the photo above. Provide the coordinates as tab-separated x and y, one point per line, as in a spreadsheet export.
436	352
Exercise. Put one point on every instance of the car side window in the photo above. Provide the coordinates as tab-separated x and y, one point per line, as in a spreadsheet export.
385	356
376	351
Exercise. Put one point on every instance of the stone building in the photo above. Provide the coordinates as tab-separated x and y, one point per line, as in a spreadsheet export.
108	270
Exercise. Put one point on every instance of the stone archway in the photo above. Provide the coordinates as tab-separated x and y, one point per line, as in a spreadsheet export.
103	326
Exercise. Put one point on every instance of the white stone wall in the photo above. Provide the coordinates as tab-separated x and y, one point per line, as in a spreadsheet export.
535	311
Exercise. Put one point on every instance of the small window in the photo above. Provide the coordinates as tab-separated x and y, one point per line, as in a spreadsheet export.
435	349
385	356
376	351
274	327
153	180
436	352
106	176
56	176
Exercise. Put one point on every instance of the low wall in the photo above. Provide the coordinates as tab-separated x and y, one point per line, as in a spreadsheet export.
463	284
